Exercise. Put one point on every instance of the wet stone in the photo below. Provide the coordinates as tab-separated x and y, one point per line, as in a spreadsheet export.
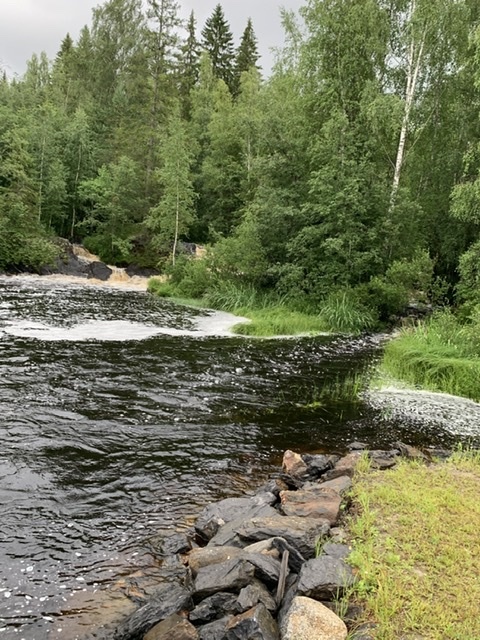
214	607
214	630
344	467
300	533
274	486
253	594
317	502
232	575
357	446
174	626
178	543
325	578
206	556
219	513
293	464
165	602
319	464
99	271
267	569
254	624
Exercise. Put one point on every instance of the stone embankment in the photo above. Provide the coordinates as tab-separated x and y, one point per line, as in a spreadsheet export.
270	566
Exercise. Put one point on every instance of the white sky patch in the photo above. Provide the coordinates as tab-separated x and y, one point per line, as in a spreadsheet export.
32	26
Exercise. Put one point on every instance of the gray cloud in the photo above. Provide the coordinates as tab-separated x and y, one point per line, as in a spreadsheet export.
32	26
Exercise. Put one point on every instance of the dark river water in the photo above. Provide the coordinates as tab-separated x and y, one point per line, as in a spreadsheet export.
122	415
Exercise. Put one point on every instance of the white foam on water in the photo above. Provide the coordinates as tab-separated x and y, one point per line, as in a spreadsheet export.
458	416
217	324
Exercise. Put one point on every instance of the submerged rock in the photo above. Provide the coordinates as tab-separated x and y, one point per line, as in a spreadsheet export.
99	271
165	602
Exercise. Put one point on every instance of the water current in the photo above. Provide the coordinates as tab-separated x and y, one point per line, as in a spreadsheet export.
121	415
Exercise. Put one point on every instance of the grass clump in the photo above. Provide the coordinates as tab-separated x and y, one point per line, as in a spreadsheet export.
417	549
441	354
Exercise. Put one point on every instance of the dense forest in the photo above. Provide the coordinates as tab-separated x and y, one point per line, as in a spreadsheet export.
349	176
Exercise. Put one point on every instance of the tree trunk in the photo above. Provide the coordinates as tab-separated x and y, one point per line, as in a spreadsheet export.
414	60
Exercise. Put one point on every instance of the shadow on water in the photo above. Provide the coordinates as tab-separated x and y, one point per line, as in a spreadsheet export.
109	440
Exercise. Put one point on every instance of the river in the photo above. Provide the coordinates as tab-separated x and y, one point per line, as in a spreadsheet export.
121	415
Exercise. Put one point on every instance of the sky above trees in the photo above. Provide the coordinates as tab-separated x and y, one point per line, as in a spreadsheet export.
28	26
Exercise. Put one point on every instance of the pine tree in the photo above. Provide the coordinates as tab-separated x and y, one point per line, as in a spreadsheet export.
189	65
247	54
217	41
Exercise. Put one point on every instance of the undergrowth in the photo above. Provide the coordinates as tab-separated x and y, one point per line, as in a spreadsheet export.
441	354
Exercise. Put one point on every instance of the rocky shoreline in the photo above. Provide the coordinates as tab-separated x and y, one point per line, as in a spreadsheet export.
267	566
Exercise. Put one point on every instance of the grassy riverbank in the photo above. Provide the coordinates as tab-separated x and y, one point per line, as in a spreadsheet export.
417	549
271	315
441	354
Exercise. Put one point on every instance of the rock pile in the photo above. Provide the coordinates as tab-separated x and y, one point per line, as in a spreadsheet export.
271	566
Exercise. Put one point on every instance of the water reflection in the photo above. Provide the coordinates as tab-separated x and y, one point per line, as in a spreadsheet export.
106	443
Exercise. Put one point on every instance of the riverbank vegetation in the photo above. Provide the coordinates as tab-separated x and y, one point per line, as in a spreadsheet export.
417	550
344	184
441	354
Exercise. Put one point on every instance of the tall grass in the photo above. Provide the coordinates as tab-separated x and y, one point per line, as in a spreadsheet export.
343	313
440	354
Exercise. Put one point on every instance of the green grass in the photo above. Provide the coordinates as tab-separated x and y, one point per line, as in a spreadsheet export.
270	314
416	549
439	355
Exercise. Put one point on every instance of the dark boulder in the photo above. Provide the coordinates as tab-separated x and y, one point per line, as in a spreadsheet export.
232	575
300	533
174	626
214	607
325	578
219	513
254	624
214	630
165	602
99	271
253	594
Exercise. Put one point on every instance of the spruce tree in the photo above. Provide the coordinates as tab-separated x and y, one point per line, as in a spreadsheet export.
217	41
247	54
189	65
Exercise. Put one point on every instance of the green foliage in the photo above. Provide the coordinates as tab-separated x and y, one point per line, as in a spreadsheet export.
343	312
441	354
217	41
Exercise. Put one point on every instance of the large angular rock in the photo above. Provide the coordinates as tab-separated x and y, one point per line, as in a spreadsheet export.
214	630
276	548
174	626
319	464
214	607
293	464
232	575
253	594
267	569
316	502
341	485
308	619
99	271
165	602
217	514
345	466
383	459
254	624
300	533
206	556
325	578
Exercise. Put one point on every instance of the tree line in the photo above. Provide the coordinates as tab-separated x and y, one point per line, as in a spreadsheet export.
352	171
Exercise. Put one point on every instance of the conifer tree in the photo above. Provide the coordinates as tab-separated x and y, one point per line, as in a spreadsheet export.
189	65
247	54
217	41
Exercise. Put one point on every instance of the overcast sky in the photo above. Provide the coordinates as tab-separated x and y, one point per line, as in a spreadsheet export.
32	26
